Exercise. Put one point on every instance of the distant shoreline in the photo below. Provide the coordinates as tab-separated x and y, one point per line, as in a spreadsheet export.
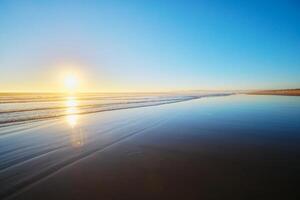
286	92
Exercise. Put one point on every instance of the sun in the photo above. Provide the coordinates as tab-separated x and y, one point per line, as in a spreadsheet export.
71	82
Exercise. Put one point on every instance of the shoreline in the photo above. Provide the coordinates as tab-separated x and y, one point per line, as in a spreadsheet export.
286	92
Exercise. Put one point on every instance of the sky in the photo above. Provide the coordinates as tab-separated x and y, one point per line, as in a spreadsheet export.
122	46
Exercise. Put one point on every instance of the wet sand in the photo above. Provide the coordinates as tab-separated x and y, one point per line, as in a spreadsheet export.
234	147
287	92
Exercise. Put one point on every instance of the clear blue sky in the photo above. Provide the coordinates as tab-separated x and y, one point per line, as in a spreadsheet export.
150	45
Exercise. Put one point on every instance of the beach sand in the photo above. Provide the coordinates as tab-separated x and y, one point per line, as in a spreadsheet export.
287	92
233	147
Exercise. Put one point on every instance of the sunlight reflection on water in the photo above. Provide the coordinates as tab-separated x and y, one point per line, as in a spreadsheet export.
77	136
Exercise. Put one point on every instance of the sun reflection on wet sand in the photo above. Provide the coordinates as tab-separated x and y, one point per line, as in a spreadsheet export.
77	135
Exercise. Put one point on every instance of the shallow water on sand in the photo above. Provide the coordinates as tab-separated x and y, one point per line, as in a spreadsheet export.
227	139
22	108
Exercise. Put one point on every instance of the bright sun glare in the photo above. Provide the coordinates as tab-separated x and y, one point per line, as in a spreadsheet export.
71	82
